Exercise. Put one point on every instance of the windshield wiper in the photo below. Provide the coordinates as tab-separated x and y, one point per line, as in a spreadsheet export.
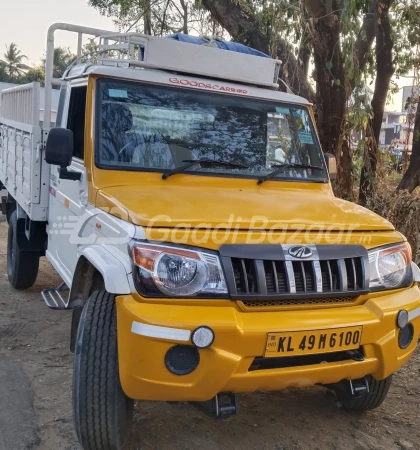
204	162
280	167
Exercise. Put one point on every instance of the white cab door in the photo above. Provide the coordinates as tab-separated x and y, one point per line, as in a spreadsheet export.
68	198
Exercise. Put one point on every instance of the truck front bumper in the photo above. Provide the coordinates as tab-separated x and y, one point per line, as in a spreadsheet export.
240	337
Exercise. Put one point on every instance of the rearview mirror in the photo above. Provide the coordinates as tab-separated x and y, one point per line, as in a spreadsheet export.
59	151
331	163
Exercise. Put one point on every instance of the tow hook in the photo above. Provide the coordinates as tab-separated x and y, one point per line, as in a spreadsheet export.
347	390
359	388
355	355
221	406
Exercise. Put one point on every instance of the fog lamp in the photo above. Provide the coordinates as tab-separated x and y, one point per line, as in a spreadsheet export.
406	336
182	359
402	319
202	337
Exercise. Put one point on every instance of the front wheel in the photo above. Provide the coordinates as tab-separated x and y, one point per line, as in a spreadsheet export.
378	391
22	266
102	413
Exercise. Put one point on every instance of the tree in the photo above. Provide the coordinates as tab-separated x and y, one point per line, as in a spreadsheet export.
349	43
62	59
410	15
3	74
13	62
158	17
331	96
248	24
337	34
34	74
384	72
411	179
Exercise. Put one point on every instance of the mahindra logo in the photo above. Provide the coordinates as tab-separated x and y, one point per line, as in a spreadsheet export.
300	252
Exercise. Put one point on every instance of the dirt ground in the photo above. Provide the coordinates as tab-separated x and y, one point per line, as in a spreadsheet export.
36	411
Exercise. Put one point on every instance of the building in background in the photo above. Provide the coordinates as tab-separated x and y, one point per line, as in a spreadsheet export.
409	91
395	131
397	126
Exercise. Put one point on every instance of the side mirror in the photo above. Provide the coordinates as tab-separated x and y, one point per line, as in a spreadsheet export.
59	151
331	163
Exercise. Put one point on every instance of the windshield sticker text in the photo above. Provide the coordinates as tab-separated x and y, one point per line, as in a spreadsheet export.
213	87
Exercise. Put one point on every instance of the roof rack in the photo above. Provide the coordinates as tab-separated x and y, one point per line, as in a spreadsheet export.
135	50
50	81
139	50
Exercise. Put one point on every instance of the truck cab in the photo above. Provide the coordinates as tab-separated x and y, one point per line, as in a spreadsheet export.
186	204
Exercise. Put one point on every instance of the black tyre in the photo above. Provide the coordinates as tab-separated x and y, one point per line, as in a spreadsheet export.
378	391
102	413
10	210
22	266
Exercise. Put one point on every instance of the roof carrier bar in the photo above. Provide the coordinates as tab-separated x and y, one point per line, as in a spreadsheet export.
49	79
143	51
135	50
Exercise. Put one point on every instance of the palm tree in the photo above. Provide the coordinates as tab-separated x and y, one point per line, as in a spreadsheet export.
62	59
3	74
13	62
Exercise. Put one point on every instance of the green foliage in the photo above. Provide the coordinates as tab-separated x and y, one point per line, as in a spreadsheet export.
406	35
34	74
12	63
63	57
158	17
291	25
13	70
3	75
90	47
401	209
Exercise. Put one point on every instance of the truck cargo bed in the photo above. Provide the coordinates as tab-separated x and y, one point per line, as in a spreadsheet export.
22	169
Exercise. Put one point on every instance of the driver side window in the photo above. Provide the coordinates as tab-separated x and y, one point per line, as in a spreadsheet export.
76	119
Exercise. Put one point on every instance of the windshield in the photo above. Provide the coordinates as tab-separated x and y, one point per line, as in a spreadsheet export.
156	128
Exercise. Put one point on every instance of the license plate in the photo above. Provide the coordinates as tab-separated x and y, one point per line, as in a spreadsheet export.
297	343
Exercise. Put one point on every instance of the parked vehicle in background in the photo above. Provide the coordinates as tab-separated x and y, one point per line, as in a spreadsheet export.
187	206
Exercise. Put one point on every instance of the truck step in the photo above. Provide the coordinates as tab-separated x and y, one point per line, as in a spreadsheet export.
221	406
54	299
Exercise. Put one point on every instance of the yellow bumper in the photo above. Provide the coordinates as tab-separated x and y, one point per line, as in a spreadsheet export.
240	337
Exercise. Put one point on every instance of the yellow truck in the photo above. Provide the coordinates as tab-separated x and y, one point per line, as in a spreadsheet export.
186	204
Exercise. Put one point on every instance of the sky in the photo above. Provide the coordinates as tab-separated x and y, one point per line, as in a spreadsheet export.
25	22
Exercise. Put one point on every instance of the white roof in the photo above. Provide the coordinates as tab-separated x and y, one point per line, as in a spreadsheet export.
187	81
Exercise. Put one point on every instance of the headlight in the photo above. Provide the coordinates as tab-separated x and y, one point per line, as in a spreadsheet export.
390	267
177	272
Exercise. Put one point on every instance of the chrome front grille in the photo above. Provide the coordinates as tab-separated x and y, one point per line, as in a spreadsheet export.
263	272
279	280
